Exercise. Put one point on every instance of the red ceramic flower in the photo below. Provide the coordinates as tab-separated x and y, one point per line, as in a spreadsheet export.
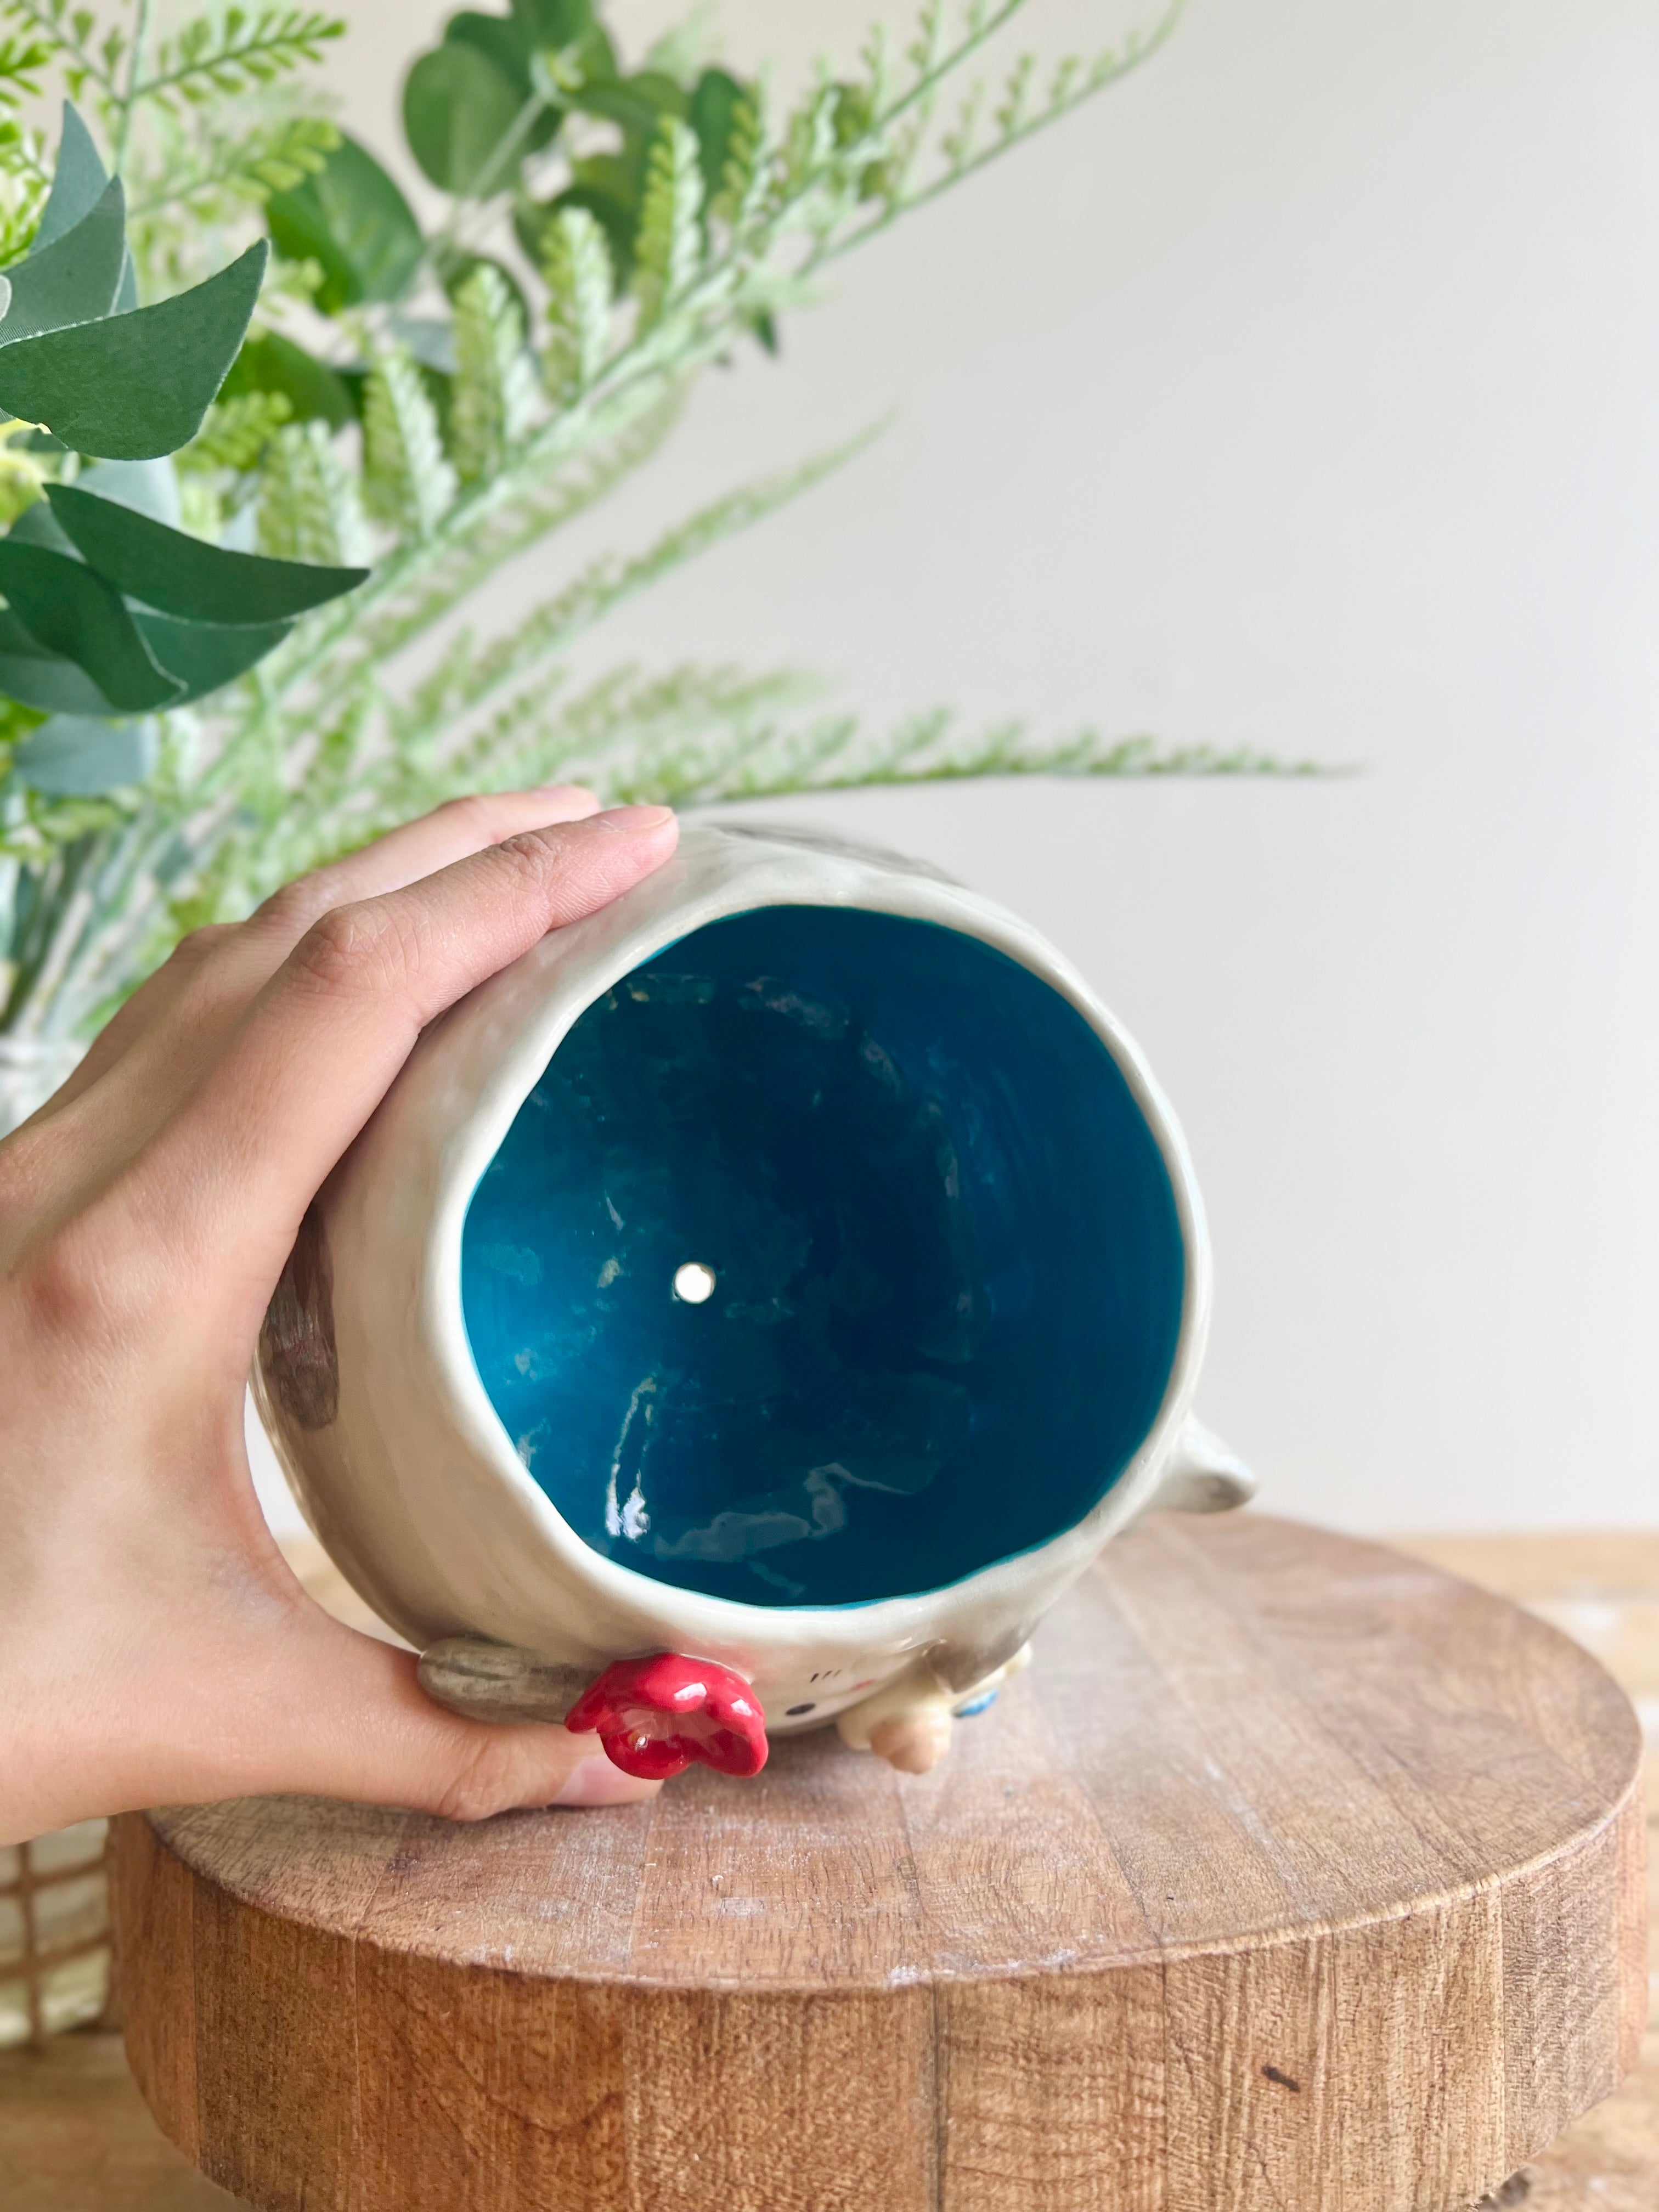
655	1716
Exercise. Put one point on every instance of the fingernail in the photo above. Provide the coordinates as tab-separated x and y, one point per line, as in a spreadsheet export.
634	818
561	791
596	1782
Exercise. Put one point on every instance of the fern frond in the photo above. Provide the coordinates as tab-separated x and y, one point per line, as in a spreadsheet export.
247	164
927	748
623	733
958	144
68	33
810	138
22	61
287	838
878	67
730	768
233	51
236	432
461	566
308	506
576	269
1012	107
907	120
25	180
702	738
202	503
495	387
626	734
927	41
422	581
470	674
669	245
748	155
407	484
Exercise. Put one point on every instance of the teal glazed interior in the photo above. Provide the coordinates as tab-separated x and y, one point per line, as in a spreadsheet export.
947	1269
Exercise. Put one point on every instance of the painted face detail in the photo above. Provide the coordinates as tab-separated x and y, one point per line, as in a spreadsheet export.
654	1717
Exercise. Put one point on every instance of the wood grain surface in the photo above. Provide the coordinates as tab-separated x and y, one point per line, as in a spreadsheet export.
1294	1874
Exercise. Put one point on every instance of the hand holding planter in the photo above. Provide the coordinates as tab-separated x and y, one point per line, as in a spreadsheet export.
782	1283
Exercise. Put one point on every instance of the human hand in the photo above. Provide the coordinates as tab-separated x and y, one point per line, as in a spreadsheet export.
154	1647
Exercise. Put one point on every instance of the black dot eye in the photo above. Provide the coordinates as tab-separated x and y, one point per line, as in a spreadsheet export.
794	1712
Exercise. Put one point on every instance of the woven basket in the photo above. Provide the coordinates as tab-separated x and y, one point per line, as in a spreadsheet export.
54	1934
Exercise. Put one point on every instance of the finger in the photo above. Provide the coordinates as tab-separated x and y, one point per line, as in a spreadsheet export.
284	1698
451	833
150	1004
242	957
378	1739
236	1169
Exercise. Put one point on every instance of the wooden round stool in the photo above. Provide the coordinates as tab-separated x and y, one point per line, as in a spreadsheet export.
1293	1877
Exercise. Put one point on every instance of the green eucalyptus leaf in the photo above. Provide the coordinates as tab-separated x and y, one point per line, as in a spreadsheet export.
499	39
50	684
271	362
552	26
126	300
186	576
135	386
638	103
38	525
73	612
597	57
458	108
502	42
352	219
560	32
78	183
75	279
205	655
79	756
45	680
619	177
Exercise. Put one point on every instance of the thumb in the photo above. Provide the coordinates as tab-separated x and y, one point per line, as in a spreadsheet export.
296	1702
372	1735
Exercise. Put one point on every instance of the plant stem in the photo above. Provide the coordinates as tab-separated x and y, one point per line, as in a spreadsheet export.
443	241
1095	82
99	912
646	359
129	99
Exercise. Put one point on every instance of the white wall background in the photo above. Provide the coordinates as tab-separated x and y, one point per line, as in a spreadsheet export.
1301	394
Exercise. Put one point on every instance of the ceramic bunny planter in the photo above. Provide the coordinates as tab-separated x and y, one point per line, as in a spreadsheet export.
750	1310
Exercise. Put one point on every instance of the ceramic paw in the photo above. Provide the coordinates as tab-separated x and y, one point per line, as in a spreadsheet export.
654	1717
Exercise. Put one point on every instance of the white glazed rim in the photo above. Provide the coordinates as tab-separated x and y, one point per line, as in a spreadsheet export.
693	1617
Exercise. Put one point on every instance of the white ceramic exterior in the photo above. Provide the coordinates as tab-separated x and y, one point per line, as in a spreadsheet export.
399	1460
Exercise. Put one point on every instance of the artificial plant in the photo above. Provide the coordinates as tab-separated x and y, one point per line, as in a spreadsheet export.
427	402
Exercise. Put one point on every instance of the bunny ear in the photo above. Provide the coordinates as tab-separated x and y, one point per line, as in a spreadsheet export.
655	1716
